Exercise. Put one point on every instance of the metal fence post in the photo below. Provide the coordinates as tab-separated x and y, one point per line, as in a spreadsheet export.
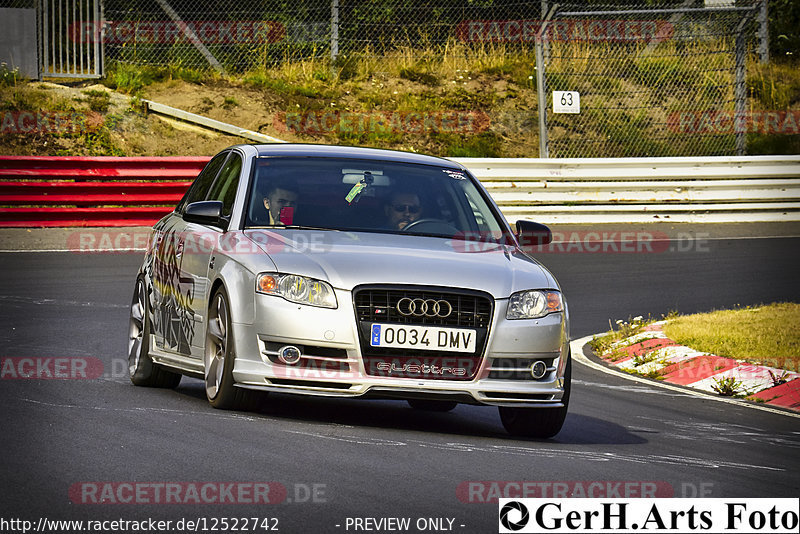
100	54
541	89
763	32
545	7
542	102
740	89
334	30
44	39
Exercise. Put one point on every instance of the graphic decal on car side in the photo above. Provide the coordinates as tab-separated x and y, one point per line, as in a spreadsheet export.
173	319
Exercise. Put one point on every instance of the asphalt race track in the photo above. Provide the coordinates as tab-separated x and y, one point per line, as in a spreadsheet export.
340	459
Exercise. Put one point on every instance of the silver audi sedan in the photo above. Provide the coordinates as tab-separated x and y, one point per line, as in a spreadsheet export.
351	272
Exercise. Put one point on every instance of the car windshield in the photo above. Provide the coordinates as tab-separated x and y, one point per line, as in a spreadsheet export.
371	196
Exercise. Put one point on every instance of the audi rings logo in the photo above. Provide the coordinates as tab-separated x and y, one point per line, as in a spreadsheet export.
519	508
424	307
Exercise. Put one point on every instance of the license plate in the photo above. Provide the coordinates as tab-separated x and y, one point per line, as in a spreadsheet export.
423	338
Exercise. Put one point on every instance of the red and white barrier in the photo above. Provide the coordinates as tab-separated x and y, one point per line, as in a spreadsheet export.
92	191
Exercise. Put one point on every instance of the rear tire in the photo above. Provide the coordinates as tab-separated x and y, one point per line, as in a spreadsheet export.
432	405
538	422
219	359
141	368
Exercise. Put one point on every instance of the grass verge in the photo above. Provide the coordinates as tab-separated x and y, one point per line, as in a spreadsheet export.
767	335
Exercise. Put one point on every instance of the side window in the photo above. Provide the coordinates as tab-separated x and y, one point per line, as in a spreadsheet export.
227	183
199	188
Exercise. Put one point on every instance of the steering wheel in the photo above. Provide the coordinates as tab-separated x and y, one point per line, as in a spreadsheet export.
431	226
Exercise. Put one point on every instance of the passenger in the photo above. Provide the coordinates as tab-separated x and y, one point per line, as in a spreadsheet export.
402	209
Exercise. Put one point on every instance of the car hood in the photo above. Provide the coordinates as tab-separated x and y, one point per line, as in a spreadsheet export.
349	259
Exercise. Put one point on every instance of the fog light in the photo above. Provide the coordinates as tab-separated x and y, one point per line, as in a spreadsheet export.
538	369
289	354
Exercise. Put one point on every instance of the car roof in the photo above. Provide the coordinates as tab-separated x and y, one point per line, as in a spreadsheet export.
330	151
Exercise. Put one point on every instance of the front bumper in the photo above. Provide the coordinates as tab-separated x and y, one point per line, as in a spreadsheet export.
333	363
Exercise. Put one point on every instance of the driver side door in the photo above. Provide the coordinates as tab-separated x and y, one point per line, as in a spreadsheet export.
174	288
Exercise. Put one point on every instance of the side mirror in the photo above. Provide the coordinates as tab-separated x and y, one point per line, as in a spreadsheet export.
207	212
532	234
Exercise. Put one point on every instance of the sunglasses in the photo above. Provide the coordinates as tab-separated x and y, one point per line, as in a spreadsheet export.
411	208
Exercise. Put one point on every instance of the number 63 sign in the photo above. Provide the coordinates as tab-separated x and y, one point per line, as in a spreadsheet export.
566	102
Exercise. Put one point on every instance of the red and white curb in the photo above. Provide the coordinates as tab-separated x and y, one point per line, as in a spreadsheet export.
651	351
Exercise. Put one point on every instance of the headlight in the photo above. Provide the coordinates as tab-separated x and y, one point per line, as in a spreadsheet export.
296	288
533	304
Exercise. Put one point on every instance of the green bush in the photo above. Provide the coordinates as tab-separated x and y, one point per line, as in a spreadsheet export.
784	30
8	77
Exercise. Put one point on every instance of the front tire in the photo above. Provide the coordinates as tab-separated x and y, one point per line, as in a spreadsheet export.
219	359
141	368
540	423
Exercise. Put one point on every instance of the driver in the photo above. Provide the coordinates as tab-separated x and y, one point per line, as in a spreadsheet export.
278	196
402	209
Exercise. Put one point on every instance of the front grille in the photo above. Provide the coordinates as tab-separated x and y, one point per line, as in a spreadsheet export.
469	309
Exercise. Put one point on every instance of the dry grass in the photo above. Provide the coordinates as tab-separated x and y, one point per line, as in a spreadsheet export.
773	86
602	344
629	91
768	335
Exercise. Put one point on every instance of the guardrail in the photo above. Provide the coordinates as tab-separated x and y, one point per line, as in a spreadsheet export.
92	191
133	191
696	189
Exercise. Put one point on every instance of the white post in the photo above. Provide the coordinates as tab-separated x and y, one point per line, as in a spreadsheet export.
334	30
763	32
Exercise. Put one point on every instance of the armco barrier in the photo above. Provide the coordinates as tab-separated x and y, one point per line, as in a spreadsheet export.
92	191
113	191
603	190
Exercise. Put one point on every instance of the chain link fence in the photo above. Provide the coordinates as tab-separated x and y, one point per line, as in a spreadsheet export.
222	34
243	35
660	81
653	77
